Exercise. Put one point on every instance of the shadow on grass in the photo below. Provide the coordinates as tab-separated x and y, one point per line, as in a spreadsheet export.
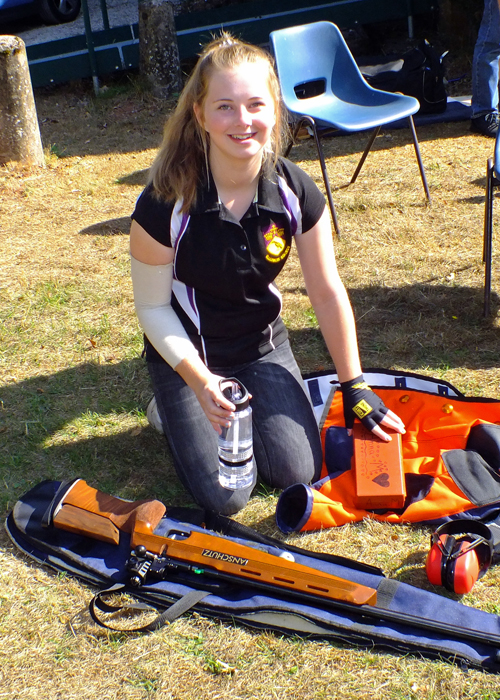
424	325
138	177
111	227
414	326
80	423
83	421
339	144
128	121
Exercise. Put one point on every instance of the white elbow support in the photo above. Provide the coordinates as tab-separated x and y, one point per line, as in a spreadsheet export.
152	298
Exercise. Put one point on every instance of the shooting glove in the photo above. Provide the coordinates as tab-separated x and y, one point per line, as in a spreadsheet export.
361	402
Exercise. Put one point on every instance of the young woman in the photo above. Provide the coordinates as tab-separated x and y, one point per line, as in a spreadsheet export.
210	233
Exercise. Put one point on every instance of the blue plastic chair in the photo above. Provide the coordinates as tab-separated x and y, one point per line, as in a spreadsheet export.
492	181
322	86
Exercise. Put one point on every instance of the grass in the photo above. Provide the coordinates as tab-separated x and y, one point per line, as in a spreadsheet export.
74	389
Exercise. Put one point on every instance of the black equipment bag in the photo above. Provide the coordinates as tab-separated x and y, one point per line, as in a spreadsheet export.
421	75
405	619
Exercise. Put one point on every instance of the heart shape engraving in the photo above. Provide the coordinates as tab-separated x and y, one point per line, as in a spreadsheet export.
382	480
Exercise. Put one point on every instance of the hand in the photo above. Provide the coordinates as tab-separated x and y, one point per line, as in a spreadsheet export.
392	421
361	402
218	409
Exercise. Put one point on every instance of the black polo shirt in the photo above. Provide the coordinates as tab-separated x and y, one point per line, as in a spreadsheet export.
224	269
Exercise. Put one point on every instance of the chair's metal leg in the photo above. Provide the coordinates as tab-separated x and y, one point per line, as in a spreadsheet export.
488	204
488	237
326	180
419	158
367	150
294	136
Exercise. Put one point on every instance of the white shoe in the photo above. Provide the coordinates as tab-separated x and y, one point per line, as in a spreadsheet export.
153	416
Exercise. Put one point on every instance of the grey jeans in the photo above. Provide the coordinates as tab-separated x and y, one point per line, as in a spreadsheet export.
287	446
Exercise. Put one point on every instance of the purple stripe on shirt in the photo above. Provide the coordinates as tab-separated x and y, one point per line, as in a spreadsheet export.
293	220
190	296
184	223
182	229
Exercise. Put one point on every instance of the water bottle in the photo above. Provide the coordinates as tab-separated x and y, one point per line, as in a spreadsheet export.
236	463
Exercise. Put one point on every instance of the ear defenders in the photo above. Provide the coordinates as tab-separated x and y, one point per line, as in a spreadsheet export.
461	552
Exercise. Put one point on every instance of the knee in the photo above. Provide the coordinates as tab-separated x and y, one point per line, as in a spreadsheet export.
289	473
223	501
208	493
290	468
297	458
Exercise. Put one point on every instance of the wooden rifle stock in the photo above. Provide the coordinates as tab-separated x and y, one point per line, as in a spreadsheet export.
83	522
89	512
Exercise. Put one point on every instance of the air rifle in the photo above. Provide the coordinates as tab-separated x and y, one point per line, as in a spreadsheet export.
85	511
81	509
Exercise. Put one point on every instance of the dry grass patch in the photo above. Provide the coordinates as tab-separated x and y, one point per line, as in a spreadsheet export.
73	391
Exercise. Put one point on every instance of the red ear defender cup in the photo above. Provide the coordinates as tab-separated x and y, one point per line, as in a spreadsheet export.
461	552
437	558
464	570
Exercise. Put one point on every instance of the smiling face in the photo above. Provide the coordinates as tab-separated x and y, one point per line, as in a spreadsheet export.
238	112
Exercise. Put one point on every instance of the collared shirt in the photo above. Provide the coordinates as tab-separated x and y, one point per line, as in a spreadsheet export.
224	269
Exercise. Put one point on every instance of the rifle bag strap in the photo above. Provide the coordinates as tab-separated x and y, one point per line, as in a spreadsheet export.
386	590
98	605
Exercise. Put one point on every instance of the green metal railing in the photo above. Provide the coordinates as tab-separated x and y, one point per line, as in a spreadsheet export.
97	53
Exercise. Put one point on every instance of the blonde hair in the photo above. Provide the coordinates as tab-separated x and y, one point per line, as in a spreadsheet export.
181	162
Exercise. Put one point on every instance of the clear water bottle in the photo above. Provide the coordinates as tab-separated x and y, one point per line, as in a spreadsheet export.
236	463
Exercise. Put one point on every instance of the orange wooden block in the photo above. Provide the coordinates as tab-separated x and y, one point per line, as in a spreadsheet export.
378	470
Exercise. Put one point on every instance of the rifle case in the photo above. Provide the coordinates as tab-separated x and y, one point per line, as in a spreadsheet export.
450	454
419	621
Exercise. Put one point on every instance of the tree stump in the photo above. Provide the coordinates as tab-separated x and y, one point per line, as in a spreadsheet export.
19	131
159	60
